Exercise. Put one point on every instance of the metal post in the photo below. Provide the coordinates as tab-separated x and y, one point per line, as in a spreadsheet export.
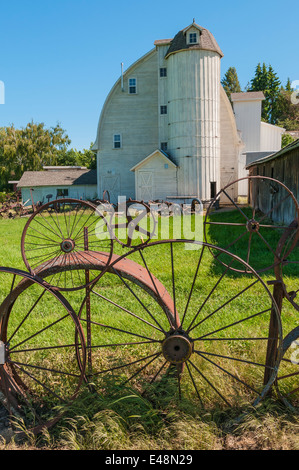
278	294
87	305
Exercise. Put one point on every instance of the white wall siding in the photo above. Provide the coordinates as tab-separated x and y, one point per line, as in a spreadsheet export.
248	119
135	117
270	137
230	146
194	119
40	193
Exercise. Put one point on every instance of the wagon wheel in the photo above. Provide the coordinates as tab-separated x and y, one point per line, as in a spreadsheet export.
168	321
287	381
137	222
287	270
38	369
247	231
64	231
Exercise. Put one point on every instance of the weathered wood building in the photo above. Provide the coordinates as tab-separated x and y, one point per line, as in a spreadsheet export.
284	167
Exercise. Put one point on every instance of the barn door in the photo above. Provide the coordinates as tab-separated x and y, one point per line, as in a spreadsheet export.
145	186
112	185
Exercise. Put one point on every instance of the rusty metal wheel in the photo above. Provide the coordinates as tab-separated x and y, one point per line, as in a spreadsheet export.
287	271
39	372
65	232
287	381
248	228
169	321
133	223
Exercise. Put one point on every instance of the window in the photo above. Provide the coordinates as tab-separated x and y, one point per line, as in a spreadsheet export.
164	146
163	109
132	86
192	38
163	72
62	192
165	166
117	141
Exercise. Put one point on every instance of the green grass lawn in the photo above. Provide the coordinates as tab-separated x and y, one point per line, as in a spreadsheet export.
141	394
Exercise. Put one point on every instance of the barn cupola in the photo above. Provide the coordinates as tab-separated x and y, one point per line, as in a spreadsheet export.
193	37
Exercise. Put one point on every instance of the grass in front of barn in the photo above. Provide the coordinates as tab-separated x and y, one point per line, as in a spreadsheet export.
122	419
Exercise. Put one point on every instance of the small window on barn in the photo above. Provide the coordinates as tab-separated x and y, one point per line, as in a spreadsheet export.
62	192
132	86
165	166
163	109
163	72
193	38
117	141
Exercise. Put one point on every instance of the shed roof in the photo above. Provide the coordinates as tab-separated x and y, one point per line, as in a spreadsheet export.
206	42
66	177
248	96
159	153
285	150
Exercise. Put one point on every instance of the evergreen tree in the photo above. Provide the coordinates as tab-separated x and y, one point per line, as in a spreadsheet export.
267	81
230	82
289	85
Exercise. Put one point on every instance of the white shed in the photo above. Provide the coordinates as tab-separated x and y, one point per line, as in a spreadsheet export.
155	177
57	182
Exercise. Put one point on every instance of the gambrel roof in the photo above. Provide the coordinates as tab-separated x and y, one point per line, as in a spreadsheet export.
207	41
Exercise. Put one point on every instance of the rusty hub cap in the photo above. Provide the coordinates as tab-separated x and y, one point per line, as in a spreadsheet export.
177	348
252	226
67	245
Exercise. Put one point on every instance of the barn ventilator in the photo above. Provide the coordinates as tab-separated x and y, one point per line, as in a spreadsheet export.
141	323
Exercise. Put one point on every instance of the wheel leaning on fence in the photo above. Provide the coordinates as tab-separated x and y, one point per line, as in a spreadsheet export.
287	380
247	231
66	232
38	369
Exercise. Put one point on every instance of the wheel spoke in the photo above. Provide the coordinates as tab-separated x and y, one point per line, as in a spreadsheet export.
140	302
210	383
125	310
155	355
39	332
26	316
223	305
207	298
121	330
233	324
230	374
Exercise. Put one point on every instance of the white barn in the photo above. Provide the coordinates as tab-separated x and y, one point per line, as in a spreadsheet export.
168	130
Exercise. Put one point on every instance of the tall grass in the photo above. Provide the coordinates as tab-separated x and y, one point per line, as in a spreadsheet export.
120	417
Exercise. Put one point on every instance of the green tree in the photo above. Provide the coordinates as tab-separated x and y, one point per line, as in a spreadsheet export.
29	148
73	157
230	82
267	81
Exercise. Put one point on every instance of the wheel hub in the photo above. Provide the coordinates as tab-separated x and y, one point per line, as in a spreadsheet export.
252	226
67	245
177	348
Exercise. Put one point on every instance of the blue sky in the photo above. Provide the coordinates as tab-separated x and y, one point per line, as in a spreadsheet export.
60	58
